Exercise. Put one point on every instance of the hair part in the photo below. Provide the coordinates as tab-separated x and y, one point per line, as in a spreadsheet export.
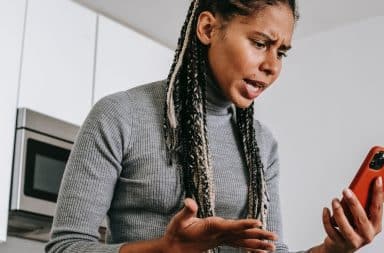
230	8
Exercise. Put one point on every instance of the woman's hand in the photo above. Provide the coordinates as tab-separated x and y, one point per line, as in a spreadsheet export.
348	238
188	234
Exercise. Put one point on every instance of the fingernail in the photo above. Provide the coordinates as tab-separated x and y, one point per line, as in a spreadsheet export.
379	182
348	193
335	203
324	211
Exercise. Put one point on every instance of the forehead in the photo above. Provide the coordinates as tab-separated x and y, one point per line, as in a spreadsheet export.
276	21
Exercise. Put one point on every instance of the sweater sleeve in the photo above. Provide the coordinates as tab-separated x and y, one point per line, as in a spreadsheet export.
89	179
272	172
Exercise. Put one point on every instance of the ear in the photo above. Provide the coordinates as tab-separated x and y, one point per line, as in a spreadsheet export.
206	24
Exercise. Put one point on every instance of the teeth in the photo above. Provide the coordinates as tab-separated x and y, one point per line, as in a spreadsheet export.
253	83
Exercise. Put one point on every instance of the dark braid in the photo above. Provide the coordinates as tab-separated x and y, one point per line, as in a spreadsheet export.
185	124
252	158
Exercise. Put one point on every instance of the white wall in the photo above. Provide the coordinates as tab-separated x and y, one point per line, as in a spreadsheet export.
326	112
56	76
11	33
126	59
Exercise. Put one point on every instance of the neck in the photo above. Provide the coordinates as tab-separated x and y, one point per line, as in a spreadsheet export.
217	103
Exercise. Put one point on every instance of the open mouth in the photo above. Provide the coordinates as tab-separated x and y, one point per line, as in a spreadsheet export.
256	84
253	88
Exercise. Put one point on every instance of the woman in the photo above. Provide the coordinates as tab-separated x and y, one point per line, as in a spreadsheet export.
201	175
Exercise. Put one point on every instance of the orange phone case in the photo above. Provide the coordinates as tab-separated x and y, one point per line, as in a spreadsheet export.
371	168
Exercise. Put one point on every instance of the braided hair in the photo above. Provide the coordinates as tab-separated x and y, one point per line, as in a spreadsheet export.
185	126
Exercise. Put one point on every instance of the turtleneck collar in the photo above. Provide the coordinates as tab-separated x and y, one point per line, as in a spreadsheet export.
217	103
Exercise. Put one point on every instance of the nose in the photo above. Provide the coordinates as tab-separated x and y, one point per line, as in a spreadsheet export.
270	65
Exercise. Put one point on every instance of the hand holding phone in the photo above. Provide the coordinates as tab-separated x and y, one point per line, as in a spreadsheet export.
371	168
358	217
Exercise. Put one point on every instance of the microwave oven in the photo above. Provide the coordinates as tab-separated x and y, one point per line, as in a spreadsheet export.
42	147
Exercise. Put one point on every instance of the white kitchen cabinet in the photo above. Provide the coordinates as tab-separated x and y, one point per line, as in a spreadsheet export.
58	59
126	59
11	32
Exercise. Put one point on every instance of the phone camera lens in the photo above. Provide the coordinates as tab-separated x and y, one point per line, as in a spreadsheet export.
377	161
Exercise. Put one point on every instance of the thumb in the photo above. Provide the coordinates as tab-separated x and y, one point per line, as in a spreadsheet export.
189	210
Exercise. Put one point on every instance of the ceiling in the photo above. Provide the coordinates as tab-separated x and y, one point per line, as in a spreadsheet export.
161	20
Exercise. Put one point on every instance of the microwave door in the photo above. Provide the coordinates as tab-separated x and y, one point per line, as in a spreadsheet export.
39	166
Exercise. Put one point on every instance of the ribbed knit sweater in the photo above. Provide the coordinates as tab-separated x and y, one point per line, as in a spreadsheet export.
118	169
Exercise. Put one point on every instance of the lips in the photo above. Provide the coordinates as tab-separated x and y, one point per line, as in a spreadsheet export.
253	88
256	83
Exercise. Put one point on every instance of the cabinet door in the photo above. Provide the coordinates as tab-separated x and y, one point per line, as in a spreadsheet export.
58	59
11	31
126	59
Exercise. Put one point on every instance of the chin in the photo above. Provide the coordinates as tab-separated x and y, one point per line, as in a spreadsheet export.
243	103
239	100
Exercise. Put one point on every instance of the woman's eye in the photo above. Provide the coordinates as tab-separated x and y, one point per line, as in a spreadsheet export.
258	44
281	55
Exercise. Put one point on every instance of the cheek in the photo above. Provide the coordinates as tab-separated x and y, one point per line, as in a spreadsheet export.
256	56
231	62
241	57
276	76
280	68
223	64
232	55
247	60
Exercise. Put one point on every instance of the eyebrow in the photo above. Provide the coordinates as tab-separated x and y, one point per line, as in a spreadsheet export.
269	38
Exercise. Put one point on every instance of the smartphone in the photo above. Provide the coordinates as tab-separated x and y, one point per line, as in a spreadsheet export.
371	168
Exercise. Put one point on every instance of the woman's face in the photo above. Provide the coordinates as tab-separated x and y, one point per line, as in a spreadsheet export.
246	55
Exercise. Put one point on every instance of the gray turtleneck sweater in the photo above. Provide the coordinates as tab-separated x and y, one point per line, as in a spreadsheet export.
118	169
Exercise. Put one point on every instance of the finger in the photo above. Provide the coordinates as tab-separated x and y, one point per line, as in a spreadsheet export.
215	224
189	211
376	207
253	244
240	224
363	224
357	210
331	231
345	227
256	233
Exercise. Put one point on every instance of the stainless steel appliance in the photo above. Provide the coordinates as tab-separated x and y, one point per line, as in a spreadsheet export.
42	148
